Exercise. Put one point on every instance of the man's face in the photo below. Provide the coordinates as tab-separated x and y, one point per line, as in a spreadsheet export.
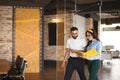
74	34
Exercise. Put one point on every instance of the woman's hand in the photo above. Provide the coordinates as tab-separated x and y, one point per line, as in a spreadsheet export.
85	57
84	49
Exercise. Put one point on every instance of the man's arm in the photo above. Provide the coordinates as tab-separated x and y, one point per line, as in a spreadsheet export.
66	54
65	57
75	50
79	53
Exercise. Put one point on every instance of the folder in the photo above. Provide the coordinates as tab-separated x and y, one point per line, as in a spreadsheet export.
90	53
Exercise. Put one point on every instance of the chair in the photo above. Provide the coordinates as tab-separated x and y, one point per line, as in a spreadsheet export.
115	54
106	55
106	52
17	71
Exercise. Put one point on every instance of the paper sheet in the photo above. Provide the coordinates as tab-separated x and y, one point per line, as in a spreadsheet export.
90	53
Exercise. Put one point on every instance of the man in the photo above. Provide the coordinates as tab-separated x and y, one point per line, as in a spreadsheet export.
74	62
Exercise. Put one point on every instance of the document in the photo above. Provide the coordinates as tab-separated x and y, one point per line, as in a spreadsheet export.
90	53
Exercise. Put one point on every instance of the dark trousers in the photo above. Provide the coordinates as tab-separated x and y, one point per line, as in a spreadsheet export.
75	64
93	68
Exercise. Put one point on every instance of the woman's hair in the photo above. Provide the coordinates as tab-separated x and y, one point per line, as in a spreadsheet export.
93	33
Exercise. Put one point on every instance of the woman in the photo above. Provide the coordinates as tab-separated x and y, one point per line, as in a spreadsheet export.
94	62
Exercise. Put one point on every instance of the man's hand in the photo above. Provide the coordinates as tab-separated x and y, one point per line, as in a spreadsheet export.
73	50
63	64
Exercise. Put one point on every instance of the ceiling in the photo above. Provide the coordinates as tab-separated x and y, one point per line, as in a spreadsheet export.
90	1
89	8
85	6
110	8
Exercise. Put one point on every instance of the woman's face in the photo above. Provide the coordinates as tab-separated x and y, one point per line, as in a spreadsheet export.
89	36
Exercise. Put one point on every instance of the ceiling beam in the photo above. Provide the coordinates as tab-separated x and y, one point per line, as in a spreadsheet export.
94	8
33	3
110	20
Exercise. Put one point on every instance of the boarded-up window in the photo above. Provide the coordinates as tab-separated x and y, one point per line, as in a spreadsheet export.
56	33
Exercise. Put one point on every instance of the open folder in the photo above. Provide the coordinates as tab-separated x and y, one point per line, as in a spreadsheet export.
90	53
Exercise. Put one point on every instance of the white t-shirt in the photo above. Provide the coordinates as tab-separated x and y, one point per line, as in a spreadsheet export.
77	43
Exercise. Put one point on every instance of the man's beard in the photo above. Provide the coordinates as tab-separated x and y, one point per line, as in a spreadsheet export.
74	37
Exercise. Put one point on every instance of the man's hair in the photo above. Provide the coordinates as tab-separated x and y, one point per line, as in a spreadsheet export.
73	29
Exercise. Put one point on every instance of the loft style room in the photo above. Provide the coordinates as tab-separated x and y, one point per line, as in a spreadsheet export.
37	30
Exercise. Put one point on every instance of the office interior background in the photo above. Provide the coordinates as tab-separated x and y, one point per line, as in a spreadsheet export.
37	30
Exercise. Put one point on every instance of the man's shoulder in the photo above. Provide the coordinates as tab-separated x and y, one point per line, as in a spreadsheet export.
69	39
81	38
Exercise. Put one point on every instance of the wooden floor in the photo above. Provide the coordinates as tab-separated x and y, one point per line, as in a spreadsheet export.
109	71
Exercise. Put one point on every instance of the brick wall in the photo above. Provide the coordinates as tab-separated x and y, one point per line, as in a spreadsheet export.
56	52
89	23
6	32
50	52
99	29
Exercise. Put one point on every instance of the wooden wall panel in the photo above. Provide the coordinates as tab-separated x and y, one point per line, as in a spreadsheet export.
27	37
60	36
4	66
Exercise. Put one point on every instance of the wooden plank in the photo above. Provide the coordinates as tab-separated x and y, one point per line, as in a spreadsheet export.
27	37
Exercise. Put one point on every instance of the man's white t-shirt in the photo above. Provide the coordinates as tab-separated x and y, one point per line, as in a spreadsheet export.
78	44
